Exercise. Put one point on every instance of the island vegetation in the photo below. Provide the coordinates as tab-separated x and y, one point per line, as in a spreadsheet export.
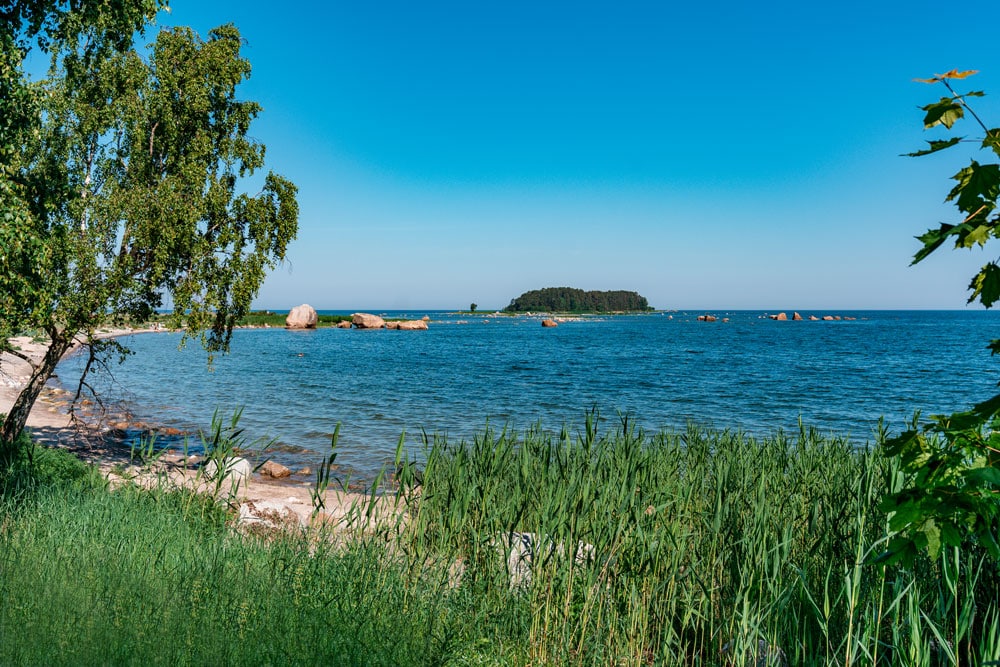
572	300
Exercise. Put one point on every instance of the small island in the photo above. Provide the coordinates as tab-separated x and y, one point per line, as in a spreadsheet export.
571	300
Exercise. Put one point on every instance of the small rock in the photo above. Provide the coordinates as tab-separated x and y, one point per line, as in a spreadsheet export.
426	318
344	325
796	317
392	325
813	318
274	470
305	471
302	317
781	317
828	318
549	323
412	325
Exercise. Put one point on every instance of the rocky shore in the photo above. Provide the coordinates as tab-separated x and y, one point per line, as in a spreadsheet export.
268	497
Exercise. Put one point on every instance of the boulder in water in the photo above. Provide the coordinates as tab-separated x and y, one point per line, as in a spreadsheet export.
274	470
302	317
367	321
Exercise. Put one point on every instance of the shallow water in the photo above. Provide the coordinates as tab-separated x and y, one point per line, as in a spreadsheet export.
664	369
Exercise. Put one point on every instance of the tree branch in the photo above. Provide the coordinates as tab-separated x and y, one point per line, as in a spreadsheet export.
152	132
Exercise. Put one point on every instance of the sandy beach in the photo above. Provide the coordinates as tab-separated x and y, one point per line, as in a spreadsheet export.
49	423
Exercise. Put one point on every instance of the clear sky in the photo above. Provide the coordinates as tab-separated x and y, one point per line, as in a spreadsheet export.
718	155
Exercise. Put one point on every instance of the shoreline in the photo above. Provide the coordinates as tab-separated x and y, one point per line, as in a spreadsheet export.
50	425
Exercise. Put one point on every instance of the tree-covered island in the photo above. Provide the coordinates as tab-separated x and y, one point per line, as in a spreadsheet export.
571	300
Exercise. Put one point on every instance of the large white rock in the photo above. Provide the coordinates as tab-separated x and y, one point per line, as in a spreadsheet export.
237	469
522	548
367	321
302	317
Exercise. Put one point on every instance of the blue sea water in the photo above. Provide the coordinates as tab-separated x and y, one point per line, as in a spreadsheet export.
665	370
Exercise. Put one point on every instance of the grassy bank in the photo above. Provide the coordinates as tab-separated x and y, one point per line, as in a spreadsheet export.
698	548
259	318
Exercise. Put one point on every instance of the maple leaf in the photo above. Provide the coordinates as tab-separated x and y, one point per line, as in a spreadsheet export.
953	74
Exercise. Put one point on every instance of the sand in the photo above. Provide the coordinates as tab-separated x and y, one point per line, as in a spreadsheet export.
258	501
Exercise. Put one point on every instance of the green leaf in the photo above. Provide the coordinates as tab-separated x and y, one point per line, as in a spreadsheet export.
904	516
980	235
986	475
985	285
933	535
932	240
936	146
987	408
944	112
992	140
978	186
951	535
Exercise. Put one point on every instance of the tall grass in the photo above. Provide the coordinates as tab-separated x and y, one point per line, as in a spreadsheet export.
94	576
602	547
701	548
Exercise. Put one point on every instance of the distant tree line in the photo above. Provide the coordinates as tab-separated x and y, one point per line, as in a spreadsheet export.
570	300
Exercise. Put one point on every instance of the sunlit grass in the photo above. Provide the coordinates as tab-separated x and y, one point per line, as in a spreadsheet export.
693	548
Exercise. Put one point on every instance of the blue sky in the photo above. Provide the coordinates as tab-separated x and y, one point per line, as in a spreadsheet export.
723	156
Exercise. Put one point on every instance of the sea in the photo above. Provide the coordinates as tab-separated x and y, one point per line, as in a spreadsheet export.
662	370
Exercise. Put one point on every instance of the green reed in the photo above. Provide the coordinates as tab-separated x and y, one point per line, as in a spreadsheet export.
691	548
703	548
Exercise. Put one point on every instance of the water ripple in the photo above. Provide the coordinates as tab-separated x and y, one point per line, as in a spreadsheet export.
750	373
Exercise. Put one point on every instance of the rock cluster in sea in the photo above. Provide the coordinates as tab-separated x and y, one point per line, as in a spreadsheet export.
369	321
795	316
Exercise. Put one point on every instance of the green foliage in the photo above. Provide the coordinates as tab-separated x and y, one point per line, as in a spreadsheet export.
571	300
691	541
472	307
949	491
699	540
120	185
953	478
25	464
259	318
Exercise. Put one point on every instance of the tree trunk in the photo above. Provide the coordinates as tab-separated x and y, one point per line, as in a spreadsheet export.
15	421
